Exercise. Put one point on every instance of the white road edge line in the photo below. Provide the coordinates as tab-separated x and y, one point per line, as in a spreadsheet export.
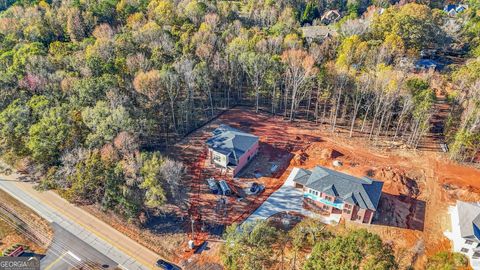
74	256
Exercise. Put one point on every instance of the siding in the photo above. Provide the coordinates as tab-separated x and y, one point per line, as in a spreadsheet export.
244	159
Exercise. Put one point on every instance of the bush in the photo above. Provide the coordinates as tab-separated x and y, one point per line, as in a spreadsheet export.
446	260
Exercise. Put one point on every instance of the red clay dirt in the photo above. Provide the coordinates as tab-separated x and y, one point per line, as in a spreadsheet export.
418	186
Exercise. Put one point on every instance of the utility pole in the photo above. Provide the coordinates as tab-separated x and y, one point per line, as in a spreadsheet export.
191	242
193	221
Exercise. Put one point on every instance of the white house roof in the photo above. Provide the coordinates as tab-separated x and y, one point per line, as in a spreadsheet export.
469	219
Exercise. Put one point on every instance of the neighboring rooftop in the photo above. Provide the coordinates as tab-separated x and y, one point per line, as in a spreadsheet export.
428	63
364	192
453	7
318	32
231	142
469	217
330	16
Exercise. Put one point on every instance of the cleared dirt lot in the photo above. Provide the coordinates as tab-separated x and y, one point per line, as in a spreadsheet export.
274	149
418	188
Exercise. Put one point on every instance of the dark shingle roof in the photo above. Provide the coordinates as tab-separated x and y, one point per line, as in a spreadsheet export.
231	142
364	192
428	63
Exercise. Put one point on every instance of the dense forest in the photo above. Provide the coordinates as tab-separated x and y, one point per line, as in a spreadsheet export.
93	90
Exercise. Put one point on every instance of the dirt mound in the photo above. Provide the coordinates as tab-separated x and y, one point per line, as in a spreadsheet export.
397	182
300	158
324	153
467	193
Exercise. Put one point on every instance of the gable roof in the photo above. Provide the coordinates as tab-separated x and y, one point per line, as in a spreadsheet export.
231	142
300	175
461	8
449	7
364	192
454	8
331	15
318	32
469	218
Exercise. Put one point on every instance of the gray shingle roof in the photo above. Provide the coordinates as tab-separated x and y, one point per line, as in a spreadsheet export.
364	192
302	176
469	216
231	142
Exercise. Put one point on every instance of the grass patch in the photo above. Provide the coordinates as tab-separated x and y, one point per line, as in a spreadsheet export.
5	229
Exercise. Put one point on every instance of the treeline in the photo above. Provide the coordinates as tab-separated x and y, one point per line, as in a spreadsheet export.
262	246
310	245
463	125
90	86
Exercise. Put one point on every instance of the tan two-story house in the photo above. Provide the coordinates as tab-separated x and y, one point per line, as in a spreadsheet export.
330	192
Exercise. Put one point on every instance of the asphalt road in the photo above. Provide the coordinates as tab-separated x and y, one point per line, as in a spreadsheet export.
100	236
67	251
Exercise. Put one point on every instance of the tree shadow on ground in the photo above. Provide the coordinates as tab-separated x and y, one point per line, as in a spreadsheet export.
271	161
400	211
165	223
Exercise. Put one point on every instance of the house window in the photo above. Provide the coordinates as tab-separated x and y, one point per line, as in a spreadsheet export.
464	250
348	206
476	255
347	211
325	207
469	242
